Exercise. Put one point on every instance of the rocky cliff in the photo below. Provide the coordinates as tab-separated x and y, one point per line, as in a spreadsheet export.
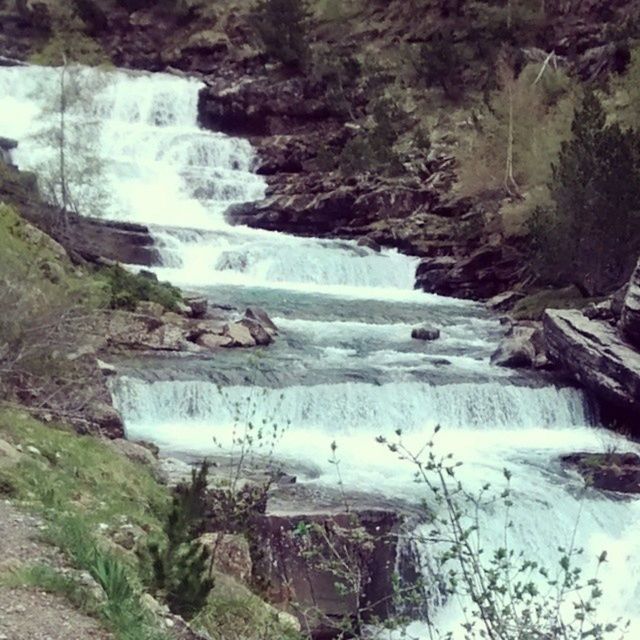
603	355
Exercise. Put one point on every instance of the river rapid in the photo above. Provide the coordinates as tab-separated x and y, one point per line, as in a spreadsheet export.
344	367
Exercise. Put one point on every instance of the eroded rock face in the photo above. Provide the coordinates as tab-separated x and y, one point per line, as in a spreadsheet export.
613	471
486	272
630	318
296	560
596	356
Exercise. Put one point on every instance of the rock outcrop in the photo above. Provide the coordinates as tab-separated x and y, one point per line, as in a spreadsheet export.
83	237
522	347
151	329
593	352
619	472
299	561
630	317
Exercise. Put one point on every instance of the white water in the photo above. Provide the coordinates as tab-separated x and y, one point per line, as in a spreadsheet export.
344	367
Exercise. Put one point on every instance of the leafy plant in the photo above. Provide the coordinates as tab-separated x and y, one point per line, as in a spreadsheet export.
126	289
507	595
179	564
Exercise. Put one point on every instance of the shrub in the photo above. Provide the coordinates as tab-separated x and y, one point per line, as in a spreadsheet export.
536	114
591	234
126	289
179	565
282	27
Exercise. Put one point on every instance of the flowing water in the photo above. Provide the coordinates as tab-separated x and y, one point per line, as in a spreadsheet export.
344	367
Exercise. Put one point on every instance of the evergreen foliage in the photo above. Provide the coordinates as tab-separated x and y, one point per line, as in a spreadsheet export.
591	236
126	289
282	27
179	565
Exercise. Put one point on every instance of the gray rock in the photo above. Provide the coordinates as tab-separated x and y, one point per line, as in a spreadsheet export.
213	341
630	318
504	301
425	333
239	334
611	471
596	356
199	307
260	315
522	347
259	334
369	243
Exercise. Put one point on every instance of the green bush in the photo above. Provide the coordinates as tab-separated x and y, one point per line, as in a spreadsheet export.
126	289
282	27
178	566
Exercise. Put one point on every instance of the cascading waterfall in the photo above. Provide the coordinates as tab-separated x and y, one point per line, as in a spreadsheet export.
344	367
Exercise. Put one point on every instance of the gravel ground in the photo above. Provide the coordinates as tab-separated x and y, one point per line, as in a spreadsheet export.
30	614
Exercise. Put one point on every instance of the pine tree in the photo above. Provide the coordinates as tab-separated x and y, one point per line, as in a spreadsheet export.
180	565
282	26
592	235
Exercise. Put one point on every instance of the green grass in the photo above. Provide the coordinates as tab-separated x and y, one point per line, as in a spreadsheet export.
82	487
24	251
81	474
533	306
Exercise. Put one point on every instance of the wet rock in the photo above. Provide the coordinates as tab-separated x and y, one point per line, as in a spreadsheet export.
596	356
630	317
259	334
239	334
199	307
260	315
213	341
522	347
370	243
6	147
293	556
105	368
425	333
612	471
504	301
485	273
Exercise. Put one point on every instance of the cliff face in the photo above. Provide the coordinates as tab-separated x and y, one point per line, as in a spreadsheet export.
303	131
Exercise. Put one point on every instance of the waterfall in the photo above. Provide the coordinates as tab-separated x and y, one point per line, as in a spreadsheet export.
344	367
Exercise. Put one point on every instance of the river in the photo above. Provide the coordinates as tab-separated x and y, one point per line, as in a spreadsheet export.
344	367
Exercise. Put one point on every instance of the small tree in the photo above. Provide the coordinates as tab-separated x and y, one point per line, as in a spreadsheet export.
73	177
591	236
179	566
283	28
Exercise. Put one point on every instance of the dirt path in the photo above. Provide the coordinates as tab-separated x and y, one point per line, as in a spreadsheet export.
31	614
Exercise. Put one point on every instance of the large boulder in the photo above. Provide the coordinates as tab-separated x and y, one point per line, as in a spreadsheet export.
522	347
612	471
630	319
260	315
596	356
